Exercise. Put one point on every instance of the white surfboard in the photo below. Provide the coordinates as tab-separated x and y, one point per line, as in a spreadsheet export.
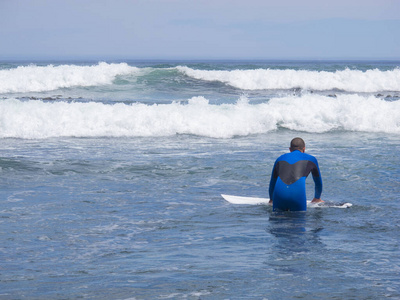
259	201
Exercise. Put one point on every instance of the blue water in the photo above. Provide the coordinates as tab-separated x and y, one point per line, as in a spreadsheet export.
103	215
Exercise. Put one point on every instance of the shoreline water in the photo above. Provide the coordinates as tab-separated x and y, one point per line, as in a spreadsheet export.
88	214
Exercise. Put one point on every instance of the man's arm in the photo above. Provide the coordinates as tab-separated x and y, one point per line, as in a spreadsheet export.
316	174
318	187
272	183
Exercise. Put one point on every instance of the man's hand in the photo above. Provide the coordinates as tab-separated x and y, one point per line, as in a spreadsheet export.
316	200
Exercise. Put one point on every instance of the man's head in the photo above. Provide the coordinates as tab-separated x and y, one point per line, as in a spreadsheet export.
297	144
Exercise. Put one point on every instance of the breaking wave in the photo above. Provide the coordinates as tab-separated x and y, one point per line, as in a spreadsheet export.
346	80
311	113
35	78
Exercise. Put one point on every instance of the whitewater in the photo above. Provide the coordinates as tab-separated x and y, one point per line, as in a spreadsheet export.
111	175
112	99
312	113
33	78
345	80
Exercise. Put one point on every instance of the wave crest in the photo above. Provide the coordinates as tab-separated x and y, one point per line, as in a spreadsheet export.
346	80
311	113
34	78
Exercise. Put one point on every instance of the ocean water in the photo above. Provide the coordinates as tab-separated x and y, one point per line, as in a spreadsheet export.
111	175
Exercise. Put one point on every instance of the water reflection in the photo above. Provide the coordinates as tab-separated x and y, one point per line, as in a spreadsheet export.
296	242
295	229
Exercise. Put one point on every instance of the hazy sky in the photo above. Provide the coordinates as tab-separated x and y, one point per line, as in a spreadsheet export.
185	29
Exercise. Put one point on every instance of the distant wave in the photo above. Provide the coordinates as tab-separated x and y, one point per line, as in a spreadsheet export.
346	80
311	113
34	78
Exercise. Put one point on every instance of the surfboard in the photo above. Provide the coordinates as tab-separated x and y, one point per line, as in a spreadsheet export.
265	201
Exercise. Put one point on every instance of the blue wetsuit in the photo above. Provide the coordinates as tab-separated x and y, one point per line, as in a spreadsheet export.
287	188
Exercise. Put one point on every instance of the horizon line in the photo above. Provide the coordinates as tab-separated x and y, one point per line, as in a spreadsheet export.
152	58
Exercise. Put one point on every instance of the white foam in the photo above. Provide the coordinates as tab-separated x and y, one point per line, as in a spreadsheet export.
34	78
311	113
346	80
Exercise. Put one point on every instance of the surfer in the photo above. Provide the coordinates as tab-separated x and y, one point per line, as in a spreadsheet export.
287	188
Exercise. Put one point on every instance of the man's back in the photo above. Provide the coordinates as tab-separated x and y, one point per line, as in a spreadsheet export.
287	187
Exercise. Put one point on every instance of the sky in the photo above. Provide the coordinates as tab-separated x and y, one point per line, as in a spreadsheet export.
200	29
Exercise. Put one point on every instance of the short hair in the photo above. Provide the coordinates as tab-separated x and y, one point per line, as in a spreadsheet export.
297	144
